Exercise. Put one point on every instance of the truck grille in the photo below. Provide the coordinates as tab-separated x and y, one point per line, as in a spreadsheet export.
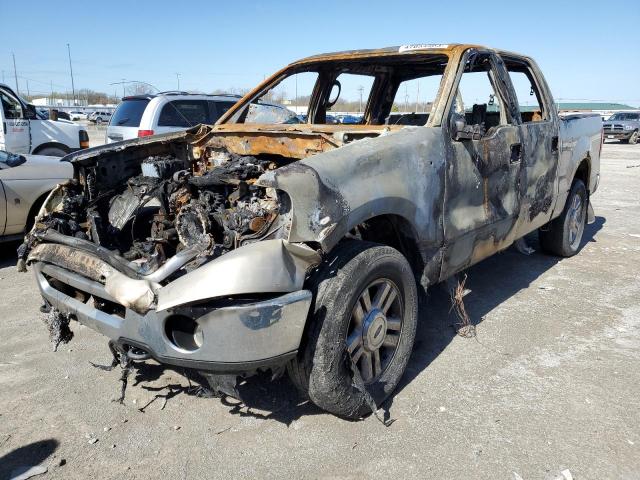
610	128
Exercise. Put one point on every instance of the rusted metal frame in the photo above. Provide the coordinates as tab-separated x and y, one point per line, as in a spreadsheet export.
286	144
450	77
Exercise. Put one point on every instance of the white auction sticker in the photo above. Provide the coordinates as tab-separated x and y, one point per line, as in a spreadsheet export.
422	46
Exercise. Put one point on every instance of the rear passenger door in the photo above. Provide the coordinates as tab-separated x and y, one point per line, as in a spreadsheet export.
182	114
539	130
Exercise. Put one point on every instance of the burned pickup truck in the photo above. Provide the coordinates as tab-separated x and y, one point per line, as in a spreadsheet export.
246	247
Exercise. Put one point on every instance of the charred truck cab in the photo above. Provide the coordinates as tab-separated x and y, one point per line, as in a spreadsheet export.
259	243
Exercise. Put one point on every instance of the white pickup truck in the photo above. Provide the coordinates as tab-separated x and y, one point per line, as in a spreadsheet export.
25	131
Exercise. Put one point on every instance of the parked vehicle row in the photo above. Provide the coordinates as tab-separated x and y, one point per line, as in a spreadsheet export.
257	244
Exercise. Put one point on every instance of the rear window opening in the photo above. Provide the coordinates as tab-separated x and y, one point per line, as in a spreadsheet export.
129	113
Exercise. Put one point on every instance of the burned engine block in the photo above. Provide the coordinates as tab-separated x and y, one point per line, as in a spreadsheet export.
167	204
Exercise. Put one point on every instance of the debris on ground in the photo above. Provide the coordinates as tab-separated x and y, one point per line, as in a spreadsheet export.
58	325
22	473
359	385
566	475
523	247
464	328
126	364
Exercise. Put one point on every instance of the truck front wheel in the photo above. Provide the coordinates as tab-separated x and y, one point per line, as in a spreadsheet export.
562	236
633	139
360	331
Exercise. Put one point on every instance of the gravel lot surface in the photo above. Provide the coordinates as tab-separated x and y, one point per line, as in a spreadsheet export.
551	384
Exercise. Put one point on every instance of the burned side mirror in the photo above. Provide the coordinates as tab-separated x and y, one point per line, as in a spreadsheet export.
461	131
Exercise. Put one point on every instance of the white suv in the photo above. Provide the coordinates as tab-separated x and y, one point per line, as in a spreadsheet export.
143	115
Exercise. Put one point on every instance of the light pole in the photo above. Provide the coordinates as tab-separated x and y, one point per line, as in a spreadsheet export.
360	89
406	99
73	88
15	74
178	79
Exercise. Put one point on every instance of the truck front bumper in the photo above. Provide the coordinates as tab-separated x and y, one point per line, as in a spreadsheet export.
617	135
225	336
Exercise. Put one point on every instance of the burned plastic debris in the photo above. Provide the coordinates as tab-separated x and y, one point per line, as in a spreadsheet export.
58	326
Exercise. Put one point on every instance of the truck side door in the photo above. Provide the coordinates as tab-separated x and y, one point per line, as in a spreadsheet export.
484	163
539	130
15	124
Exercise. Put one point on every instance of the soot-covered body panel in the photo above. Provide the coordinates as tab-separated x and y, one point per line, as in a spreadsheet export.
177	243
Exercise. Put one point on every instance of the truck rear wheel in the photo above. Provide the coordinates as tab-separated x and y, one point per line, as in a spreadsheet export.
563	235
363	318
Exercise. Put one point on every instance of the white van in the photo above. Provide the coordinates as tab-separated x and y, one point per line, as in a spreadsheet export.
143	115
24	130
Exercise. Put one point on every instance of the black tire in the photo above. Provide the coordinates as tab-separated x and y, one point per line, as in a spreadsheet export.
323	369
633	139
556	237
98	121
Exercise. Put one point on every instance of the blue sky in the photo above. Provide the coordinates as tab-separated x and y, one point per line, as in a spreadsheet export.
586	50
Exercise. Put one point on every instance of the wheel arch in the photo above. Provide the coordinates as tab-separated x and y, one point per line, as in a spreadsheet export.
394	231
59	145
33	211
583	172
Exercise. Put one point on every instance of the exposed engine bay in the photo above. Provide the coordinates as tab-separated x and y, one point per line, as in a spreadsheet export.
149	209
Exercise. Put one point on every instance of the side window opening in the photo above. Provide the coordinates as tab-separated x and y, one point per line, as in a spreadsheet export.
527	92
219	108
11	107
183	113
477	98
350	95
413	100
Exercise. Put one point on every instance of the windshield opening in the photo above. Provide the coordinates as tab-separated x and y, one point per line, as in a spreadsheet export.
625	116
395	89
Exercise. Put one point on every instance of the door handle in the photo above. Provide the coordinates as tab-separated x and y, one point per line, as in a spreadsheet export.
516	153
554	144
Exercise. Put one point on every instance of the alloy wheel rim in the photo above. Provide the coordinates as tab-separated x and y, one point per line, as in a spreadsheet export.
575	220
375	328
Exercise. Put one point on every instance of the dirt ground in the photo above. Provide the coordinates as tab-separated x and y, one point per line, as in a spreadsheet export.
550	384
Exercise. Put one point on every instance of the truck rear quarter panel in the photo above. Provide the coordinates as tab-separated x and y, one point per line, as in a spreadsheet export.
580	139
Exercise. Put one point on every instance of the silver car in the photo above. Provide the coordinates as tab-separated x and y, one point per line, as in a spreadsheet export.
25	182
